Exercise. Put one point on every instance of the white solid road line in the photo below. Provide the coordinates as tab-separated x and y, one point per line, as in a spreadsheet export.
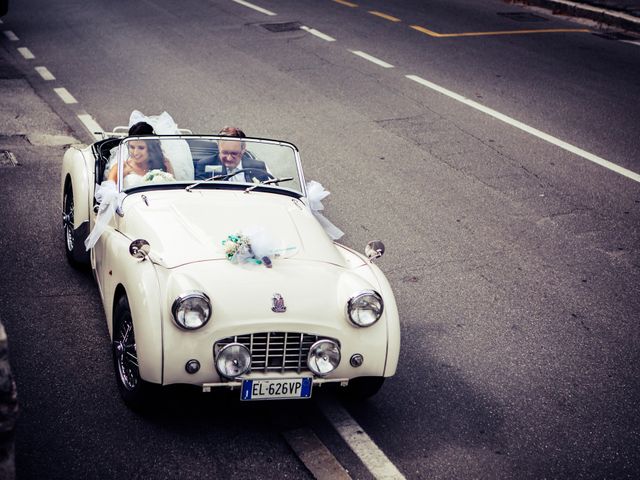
375	60
64	94
255	7
91	125
367	451
315	455
532	131
26	53
11	36
45	73
318	34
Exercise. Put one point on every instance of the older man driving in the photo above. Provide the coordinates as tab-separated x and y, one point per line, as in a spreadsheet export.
232	156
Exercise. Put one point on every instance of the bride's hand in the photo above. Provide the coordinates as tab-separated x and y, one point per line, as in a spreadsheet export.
126	168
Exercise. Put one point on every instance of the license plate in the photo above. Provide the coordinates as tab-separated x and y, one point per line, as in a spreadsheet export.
271	389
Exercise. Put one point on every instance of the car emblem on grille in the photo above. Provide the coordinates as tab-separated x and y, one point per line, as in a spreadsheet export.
277	303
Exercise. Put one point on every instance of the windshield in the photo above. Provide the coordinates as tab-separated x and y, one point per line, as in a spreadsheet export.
206	160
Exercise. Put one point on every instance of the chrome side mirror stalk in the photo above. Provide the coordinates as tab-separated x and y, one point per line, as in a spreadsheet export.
139	249
374	249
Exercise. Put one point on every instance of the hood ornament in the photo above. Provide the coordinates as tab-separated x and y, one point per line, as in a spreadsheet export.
277	303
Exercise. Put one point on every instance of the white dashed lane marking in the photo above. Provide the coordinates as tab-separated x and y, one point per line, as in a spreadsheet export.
26	53
530	130
255	7
45	73
64	94
372	59
11	36
91	125
318	34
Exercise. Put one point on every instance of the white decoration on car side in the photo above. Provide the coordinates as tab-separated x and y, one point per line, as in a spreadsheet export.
316	193
109	198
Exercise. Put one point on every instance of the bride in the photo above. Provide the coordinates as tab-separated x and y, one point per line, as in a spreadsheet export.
144	156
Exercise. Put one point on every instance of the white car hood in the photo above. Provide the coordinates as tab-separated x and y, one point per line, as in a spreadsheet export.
313	293
185	227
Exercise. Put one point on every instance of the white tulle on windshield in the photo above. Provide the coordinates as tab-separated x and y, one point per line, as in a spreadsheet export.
316	193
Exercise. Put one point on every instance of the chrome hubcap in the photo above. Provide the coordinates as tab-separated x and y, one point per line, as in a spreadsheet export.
67	221
126	356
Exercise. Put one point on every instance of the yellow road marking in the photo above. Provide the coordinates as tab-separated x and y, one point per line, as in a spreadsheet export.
506	32
343	2
424	30
384	15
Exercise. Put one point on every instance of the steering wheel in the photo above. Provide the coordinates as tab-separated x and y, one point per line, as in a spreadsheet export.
249	170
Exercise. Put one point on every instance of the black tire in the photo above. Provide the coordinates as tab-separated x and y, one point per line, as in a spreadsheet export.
73	238
135	392
362	388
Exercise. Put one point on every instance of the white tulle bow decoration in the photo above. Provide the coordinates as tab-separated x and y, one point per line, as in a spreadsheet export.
316	193
110	200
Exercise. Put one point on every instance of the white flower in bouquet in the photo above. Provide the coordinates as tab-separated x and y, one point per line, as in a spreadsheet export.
237	248
158	176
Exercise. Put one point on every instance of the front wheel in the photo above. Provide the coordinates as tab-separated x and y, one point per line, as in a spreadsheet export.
134	390
362	388
76	254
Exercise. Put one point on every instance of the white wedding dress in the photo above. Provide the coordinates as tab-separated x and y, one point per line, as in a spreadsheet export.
132	180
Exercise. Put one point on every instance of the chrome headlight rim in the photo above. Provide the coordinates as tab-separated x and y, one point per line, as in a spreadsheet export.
313	347
220	354
177	303
359	296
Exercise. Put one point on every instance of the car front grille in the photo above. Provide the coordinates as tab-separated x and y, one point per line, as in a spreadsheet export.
275	351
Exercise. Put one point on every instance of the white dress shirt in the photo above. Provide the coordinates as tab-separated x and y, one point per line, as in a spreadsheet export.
238	177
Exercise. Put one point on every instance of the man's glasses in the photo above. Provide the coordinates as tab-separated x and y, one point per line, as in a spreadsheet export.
229	153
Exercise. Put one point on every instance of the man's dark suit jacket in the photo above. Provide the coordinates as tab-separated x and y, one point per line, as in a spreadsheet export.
257	169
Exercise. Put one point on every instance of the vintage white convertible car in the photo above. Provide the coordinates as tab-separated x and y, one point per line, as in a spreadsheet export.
224	279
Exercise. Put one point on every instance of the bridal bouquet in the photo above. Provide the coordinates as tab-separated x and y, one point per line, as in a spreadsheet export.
237	248
255	246
158	176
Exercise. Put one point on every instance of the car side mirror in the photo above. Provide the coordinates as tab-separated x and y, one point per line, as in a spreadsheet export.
139	249
374	249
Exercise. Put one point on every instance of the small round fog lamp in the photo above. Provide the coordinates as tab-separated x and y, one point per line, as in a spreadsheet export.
356	360
192	366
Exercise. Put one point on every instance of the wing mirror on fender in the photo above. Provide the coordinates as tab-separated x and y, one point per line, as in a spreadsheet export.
374	249
139	249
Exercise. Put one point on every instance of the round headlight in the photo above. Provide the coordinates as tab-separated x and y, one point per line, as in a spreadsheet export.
364	309
233	360
324	357
191	310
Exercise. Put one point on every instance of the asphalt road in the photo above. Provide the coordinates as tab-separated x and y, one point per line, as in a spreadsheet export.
515	262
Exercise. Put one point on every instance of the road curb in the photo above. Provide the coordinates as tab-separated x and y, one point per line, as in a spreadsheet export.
592	12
